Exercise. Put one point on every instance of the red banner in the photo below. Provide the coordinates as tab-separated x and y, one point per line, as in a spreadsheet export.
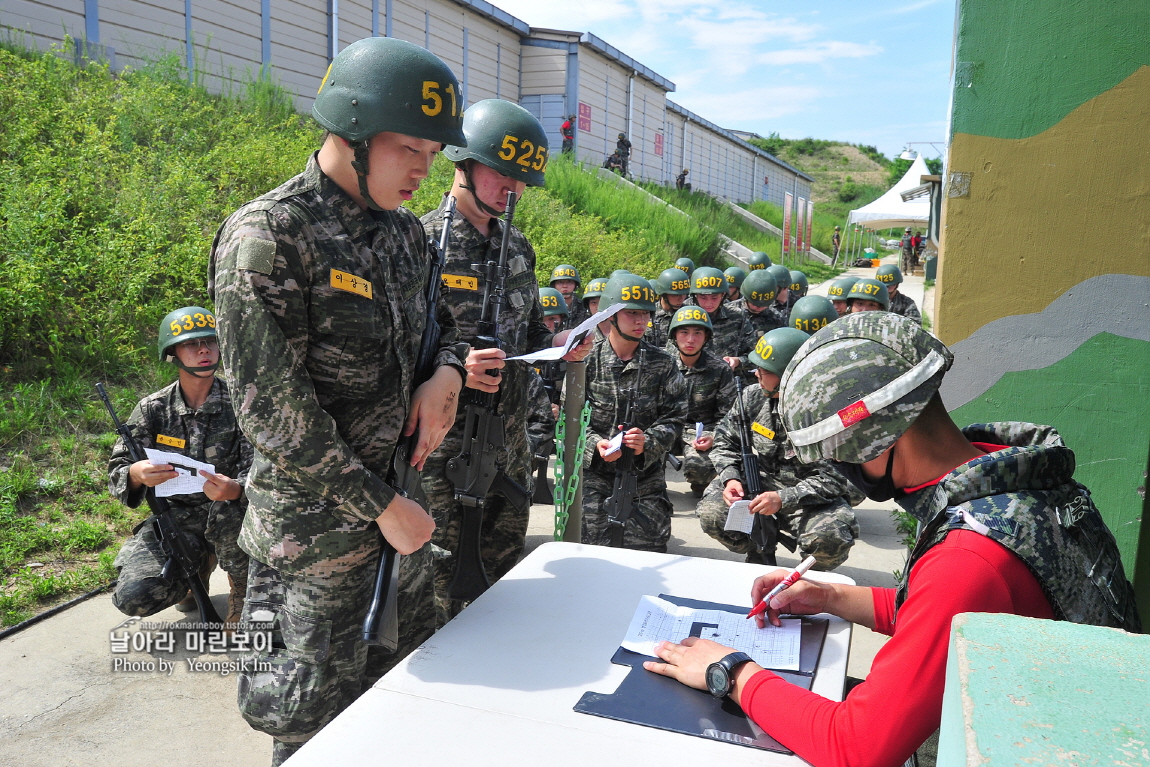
810	223
584	117
801	229
788	203
659	144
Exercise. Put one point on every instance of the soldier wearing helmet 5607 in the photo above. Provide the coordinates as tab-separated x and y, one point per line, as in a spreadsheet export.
565	279
900	303
191	417
320	290
710	391
672	288
709	289
505	152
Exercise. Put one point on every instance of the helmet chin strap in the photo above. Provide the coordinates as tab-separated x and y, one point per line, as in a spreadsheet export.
360	165
470	186
632	339
207	371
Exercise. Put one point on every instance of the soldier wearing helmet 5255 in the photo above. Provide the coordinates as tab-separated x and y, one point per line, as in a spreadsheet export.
565	279
899	303
320	290
709	289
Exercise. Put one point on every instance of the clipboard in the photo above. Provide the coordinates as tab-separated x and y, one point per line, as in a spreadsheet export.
657	701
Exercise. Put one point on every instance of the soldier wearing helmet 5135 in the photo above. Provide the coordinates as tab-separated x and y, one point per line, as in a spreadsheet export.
191	417
811	502
673	287
565	279
709	289
660	408
488	168
320	290
710	391
900	303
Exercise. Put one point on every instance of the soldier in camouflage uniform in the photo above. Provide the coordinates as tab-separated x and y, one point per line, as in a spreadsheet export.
565	279
320	287
193	417
541	415
798	288
1005	528
810	501
735	277
659	412
758	260
868	295
759	292
709	289
811	314
710	391
482	181
554	317
838	292
781	308
891	276
672	287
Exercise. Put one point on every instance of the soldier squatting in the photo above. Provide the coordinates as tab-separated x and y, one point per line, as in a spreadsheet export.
319	292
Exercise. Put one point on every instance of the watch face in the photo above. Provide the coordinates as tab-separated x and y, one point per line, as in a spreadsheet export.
718	682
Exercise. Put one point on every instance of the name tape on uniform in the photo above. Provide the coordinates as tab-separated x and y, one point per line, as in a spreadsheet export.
758	428
351	283
461	282
175	442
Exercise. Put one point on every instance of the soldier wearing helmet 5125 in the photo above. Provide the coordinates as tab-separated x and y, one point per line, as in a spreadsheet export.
709	289
320	290
710	391
673	287
565	279
899	303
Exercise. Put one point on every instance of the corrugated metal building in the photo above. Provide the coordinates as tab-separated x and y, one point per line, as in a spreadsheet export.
553	73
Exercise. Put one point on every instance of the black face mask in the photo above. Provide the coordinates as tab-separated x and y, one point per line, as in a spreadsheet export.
882	490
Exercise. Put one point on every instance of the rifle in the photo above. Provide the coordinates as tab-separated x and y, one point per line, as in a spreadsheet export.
765	532
181	563
404	477
624	493
473	472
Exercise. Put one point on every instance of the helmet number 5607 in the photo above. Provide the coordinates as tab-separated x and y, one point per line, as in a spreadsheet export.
434	101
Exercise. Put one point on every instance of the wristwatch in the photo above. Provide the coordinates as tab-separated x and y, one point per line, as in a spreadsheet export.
721	675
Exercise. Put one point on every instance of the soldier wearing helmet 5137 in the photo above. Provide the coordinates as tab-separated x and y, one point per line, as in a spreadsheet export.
710	391
320	290
672	287
811	502
191	417
660	409
709	289
565	279
899	303
868	295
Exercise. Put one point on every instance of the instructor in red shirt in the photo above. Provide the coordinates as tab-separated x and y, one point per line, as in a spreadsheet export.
863	392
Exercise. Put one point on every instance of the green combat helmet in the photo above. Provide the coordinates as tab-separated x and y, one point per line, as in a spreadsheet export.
594	290
708	279
889	274
840	288
186	324
552	302
735	276
858	384
691	315
782	275
760	288
672	282
565	272
811	314
686	264
799	283
618	273
384	84
633	292
869	290
758	260
775	348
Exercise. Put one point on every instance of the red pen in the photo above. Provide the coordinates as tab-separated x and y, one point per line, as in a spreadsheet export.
794	577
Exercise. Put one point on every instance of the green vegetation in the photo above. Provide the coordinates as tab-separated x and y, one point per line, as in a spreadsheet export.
898	168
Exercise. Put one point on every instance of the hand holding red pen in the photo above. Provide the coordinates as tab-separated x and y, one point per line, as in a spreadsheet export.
804	597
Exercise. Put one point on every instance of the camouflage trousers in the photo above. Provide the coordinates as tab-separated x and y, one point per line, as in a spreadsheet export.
504	532
649	526
697	467
825	532
318	665
209	527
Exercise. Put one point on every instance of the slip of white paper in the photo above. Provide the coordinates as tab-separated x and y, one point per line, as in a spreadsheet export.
656	620
584	329
740	518
187	482
614	444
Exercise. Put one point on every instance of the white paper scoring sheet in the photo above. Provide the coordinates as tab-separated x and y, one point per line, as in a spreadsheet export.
578	334
740	518
189	481
658	620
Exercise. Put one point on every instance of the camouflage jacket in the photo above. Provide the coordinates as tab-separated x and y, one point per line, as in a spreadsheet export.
754	326
799	485
321	307
904	305
540	419
660	410
577	313
710	391
163	421
659	331
1025	498
727	325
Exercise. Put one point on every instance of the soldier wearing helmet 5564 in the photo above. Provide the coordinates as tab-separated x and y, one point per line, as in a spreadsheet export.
192	417
810	502
710	391
319	286
660	407
565	279
672	287
899	303
709	289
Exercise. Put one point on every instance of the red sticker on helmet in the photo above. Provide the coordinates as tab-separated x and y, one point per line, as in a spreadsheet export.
852	414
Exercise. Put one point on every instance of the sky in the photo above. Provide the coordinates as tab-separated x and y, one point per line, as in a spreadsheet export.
865	72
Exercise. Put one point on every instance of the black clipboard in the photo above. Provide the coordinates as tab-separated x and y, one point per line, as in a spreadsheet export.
657	701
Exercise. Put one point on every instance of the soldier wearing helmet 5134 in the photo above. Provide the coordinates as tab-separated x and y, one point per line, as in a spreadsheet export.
191	417
672	287
710	391
811	314
487	169
660	408
320	290
899	303
810	502
709	289
565	279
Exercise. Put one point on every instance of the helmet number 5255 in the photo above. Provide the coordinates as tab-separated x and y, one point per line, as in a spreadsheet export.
434	101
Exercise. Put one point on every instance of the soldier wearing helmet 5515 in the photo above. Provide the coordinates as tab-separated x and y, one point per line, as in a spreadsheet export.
672	287
709	289
899	303
565	279
710	391
810	502
319	286
759	292
488	169
660	407
868	295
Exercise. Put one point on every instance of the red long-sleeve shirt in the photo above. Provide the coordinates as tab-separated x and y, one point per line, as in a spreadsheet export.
884	719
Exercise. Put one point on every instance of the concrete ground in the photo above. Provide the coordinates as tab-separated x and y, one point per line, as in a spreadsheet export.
65	703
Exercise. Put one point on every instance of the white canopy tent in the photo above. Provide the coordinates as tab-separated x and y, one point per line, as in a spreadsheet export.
891	210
